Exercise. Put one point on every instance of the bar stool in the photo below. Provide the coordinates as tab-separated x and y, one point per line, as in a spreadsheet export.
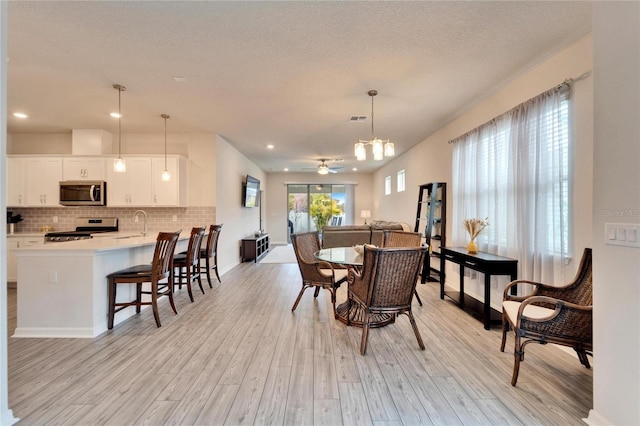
211	251
188	264
153	273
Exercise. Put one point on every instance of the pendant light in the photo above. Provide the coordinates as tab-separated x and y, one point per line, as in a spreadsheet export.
119	164
166	176
381	148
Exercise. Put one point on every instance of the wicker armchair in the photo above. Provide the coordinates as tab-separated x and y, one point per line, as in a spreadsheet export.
386	284
403	239
560	315
315	273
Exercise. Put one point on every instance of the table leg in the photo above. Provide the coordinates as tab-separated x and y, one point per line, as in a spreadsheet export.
487	301
462	286
442	279
514	289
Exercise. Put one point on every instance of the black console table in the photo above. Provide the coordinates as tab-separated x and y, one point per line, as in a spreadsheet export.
488	264
253	248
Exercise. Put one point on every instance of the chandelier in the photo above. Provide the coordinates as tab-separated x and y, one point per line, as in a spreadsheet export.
381	148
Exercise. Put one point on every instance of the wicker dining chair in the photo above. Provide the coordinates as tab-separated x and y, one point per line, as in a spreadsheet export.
560	315
315	273
385	285
403	239
153	273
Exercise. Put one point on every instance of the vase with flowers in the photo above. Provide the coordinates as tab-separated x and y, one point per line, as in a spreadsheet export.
474	227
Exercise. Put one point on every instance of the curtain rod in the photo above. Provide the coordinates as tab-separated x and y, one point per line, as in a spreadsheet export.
566	83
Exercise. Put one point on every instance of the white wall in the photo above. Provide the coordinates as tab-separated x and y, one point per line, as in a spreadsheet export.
616	193
6	416
28	143
431	160
231	170
277	210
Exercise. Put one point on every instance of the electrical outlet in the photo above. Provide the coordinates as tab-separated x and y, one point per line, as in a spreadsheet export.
175	217
53	277
55	219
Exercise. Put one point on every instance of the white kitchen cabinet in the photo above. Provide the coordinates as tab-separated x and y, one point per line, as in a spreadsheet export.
83	168
15	242
132	188
15	182
43	176
171	193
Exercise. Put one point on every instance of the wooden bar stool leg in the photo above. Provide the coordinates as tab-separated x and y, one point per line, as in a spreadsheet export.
196	273
216	267
138	297
112	303
154	303
209	272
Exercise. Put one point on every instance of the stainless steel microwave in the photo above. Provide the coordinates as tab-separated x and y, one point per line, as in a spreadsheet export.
83	193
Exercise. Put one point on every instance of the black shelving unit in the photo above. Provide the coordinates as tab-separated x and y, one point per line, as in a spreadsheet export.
253	248
431	222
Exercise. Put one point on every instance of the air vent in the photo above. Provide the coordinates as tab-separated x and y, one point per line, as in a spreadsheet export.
357	118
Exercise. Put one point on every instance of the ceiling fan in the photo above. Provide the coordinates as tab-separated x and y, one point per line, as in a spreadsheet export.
323	169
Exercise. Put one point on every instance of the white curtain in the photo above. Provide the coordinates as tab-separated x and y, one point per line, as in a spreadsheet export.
349	203
515	171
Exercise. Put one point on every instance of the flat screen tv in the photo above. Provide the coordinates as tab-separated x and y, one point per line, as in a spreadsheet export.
251	192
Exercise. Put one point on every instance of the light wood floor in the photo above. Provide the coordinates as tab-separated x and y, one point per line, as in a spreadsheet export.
239	356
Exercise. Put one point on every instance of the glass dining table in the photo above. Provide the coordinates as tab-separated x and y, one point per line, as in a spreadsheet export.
349	257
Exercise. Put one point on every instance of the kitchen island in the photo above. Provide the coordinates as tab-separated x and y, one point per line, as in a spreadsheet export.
62	290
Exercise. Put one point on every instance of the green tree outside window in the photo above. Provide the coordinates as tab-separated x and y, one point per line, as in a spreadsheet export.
322	208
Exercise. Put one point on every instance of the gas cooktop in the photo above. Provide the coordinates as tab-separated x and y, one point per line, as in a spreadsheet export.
85	227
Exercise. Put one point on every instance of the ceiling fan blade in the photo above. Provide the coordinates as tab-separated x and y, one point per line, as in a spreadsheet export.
332	171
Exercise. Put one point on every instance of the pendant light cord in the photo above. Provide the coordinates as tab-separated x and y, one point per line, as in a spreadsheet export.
165	116
119	123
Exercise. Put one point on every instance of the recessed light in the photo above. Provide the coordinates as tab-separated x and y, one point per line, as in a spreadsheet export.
355	169
20	115
179	79
286	169
115	115
269	146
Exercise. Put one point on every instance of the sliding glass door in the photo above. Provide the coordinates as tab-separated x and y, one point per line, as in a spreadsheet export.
312	207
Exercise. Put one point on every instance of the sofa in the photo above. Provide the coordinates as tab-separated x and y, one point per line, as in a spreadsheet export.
350	235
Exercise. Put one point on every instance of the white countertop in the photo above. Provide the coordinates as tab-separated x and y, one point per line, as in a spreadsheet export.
99	243
26	234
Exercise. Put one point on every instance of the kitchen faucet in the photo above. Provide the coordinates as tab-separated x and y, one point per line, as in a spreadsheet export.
144	215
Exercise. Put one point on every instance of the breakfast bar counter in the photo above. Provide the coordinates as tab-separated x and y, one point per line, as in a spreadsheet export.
62	287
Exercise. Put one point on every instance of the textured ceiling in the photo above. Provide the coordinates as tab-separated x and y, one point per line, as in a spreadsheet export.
282	73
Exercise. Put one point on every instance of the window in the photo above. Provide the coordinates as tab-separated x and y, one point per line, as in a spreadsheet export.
401	181
515	171
311	207
387	185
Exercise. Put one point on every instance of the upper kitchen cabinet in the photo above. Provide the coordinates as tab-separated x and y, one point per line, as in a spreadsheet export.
142	185
83	168
42	177
131	188
171	193
16	183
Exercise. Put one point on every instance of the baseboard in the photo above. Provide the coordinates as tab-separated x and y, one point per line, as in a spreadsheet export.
596	419
51	332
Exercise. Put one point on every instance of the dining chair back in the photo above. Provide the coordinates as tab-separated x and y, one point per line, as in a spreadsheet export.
386	285
402	239
315	273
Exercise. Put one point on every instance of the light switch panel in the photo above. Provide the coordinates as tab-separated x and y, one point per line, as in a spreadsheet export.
622	234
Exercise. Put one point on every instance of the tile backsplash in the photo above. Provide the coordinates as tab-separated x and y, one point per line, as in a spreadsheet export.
158	218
